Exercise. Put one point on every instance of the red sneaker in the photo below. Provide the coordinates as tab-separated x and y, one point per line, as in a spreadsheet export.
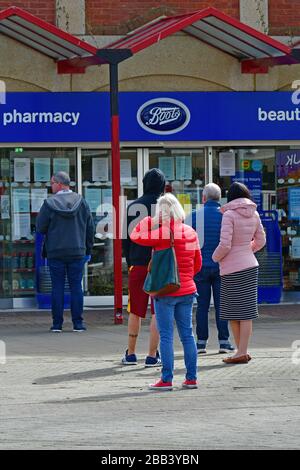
160	385
190	384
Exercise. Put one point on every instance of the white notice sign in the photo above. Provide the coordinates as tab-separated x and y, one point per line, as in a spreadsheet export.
227	163
126	175
38	197
22	169
100	169
21	227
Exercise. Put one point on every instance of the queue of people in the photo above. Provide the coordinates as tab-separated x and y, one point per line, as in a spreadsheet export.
226	265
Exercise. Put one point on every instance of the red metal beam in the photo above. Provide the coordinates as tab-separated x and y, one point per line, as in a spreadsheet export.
261	65
63	67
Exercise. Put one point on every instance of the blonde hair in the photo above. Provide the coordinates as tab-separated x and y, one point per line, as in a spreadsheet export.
168	207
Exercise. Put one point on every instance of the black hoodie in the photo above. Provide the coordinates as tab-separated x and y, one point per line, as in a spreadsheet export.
154	185
66	221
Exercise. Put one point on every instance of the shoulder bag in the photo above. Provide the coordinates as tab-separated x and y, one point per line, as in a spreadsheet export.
163	274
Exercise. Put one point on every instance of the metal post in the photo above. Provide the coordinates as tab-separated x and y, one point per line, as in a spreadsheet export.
113	57
116	192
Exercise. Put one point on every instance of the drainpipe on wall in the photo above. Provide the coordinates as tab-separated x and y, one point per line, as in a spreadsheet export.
70	16
255	14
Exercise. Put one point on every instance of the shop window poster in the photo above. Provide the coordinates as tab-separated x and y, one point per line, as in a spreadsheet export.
185	201
288	166
227	163
21	200
21	227
167	166
184	168
253	181
294	203
93	198
4	166
42	169
107	196
38	197
100	169
61	164
126	174
22	170
5	207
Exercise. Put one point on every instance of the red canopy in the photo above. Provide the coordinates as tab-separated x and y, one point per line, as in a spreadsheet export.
42	36
255	50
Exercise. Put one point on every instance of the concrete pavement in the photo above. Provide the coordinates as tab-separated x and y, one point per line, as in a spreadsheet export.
69	391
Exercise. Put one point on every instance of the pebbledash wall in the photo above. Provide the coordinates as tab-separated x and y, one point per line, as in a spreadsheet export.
179	67
165	66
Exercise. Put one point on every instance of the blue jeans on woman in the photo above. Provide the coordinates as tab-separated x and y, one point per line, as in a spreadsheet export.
206	280
179	308
74	271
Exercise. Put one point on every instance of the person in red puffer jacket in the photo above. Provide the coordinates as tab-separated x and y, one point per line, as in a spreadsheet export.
155	232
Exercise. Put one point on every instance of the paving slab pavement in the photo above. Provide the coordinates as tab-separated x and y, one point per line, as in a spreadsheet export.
69	390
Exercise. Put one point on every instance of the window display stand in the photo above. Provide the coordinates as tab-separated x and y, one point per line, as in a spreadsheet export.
270	274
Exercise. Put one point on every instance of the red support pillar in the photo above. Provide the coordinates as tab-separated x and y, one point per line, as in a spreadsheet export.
116	193
113	57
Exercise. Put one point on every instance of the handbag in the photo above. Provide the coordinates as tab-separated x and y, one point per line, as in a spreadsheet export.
163	275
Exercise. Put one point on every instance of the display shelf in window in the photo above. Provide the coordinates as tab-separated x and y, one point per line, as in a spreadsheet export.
25	270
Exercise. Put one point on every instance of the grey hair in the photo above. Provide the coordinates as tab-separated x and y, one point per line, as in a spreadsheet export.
212	192
62	178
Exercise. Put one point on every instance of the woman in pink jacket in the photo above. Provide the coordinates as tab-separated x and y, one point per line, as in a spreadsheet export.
242	234
156	233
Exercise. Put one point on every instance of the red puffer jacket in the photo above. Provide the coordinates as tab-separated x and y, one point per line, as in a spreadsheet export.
187	249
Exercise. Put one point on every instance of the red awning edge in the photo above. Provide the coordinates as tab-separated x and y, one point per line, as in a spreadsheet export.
255	50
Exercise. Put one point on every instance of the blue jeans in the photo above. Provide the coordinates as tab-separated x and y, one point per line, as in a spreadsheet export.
179	308
74	271
207	279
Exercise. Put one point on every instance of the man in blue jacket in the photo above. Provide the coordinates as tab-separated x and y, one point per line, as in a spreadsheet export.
66	221
207	222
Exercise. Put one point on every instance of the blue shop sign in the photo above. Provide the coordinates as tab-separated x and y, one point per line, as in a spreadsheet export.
152	116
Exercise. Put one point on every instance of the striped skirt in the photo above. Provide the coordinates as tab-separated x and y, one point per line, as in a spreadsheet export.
239	295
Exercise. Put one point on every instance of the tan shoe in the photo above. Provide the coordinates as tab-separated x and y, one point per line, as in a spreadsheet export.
236	360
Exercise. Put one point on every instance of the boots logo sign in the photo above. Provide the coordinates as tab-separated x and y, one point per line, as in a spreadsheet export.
163	116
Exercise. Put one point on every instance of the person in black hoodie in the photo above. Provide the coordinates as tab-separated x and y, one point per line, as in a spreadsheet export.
67	223
138	258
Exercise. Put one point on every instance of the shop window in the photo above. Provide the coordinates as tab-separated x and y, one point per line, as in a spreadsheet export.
185	173
288	197
25	184
97	190
254	167
5	228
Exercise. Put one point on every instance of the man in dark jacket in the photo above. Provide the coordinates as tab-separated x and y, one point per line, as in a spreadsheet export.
138	258
66	221
207	223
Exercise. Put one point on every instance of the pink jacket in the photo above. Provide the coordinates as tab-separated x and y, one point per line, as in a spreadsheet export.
242	234
187	249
